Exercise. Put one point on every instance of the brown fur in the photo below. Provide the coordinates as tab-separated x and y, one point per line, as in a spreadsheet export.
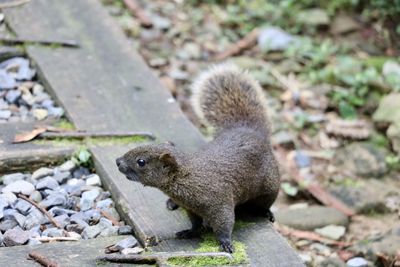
237	167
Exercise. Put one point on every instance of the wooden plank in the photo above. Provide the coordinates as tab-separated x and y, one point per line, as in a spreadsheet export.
103	85
26	156
71	254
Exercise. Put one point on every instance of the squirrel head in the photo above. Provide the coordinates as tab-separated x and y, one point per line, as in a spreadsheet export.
151	165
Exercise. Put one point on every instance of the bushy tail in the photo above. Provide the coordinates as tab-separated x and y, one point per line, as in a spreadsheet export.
225	96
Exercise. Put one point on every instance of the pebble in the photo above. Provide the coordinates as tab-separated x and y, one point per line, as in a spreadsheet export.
130	251
14	237
5	114
40	114
109	231
33	241
19	187
125	230
36	196
47	183
91	231
34	218
9	197
53	200
105	204
12	96
67	166
88	198
53	232
10	178
42	172
94	180
334	232
311	217
22	206
357	262
7	224
55	112
62	177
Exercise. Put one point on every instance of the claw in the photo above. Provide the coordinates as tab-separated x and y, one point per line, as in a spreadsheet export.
226	247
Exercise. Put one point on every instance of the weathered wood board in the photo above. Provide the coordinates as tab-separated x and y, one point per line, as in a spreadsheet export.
68	254
103	84
26	156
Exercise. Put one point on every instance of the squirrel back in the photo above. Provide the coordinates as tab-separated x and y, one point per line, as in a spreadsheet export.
225	96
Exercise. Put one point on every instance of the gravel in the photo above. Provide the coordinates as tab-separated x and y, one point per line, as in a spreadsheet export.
22	98
71	194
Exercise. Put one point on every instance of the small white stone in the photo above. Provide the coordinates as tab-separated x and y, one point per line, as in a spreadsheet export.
93	180
20	186
67	166
334	232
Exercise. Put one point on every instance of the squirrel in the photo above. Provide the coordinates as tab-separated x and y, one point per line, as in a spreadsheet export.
237	167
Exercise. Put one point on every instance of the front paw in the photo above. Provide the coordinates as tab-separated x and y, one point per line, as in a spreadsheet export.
186	234
270	216
226	246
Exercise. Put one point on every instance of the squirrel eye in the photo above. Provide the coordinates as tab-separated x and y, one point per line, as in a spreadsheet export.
141	162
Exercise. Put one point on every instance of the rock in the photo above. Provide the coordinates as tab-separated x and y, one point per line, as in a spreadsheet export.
321	249
344	24
55	112
67	166
105	204
19	187
42	172
109	231
113	212
56	211
3	104
160	22
388	110
6	80
47	183
334	232
387	244
79	219
10	178
53	200
91	231
12	96
362	159
87	200
63	220
40	114
332	262
48	103
37	89
36	196
23	206
28	99
393	132
94	180
6	224
130	251
129	242
302	160
33	241
357	262
274	39
80	172
15	237
5	114
91	216
125	230
53	232
283	138
34	218
366	196
21	65
313	17
9	197
74	235
311	218
62	177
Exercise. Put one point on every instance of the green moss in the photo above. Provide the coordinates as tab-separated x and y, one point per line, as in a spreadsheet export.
64	124
242	224
210	244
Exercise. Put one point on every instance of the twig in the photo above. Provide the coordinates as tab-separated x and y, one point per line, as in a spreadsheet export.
56	238
311	236
109	217
316	190
44	261
161	257
17	41
139	13
82	134
14	3
245	43
43	210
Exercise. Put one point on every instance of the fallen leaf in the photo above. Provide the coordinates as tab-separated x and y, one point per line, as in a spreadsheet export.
354	129
25	137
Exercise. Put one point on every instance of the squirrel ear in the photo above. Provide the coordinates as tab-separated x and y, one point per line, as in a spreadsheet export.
168	159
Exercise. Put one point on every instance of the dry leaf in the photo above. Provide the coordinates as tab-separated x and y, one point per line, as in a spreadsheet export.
25	137
355	129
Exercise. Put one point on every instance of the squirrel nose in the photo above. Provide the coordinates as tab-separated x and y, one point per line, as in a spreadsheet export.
118	161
